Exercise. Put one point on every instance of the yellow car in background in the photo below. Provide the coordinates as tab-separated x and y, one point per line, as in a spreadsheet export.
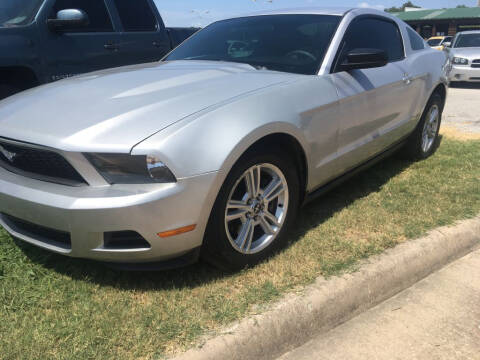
438	42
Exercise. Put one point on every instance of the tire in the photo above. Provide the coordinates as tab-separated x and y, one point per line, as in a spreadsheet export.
423	142
236	243
7	90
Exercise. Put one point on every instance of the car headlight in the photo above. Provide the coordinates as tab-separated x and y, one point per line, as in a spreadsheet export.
460	61
131	169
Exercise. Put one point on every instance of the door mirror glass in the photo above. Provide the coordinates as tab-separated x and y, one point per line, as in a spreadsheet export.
364	59
68	19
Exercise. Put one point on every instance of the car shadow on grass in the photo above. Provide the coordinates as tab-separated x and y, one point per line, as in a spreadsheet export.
199	274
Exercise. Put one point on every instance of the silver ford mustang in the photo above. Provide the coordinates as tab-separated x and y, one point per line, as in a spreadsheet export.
212	151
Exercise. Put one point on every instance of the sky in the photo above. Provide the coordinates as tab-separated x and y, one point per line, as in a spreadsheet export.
202	12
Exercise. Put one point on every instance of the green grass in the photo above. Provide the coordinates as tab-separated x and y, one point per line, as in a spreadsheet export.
57	308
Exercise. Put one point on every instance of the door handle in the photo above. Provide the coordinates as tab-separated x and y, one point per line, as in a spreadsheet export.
113	47
407	79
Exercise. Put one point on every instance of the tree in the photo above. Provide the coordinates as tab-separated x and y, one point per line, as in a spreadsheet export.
461	6
402	8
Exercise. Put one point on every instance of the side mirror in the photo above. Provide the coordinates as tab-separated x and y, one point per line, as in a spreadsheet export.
364	59
447	44
68	19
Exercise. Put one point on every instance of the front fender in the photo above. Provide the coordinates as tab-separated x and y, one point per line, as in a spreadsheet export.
214	141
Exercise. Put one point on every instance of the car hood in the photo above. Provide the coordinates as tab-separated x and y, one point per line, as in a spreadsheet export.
469	53
113	110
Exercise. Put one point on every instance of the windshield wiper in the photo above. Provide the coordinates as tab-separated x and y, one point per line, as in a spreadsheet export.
258	67
199	58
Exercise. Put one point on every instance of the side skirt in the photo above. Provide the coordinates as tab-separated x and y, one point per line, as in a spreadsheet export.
322	190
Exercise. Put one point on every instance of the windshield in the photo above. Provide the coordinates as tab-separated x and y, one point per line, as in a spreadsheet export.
18	12
434	42
467	40
287	43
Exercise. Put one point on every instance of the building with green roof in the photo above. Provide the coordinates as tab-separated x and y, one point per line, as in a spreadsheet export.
440	22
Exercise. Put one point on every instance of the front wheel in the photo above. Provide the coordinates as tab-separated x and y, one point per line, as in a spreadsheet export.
253	212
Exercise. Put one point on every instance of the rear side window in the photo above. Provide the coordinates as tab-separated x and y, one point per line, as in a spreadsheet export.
99	19
374	33
136	15
416	40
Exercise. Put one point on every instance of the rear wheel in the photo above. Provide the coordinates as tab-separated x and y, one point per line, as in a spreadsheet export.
253	212
424	140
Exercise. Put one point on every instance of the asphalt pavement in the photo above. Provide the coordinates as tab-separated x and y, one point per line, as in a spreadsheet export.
462	111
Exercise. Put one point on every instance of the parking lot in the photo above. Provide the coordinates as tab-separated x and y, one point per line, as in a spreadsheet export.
461	118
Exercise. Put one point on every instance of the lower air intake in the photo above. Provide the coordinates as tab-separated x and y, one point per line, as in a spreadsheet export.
124	240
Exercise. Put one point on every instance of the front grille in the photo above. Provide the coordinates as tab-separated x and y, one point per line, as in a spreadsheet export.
59	239
38	164
476	63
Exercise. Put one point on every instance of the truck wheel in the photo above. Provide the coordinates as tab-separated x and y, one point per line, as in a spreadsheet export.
424	140
7	90
253	212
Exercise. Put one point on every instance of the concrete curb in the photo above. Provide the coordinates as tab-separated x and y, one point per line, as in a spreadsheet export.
328	303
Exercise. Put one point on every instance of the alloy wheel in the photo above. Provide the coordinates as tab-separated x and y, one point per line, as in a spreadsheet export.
430	128
256	208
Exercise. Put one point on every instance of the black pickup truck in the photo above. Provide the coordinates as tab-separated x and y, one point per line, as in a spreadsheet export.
46	40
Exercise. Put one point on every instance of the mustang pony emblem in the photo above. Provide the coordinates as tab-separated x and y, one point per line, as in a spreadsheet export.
9	155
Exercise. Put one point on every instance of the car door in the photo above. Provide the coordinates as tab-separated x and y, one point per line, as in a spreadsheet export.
373	102
143	38
84	49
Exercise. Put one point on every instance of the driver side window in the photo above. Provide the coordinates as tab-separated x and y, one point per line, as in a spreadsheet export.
373	33
96	10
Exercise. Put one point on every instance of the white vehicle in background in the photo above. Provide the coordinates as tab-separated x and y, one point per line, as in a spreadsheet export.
464	57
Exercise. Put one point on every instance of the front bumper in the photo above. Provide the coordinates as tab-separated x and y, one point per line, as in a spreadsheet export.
86	213
464	73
